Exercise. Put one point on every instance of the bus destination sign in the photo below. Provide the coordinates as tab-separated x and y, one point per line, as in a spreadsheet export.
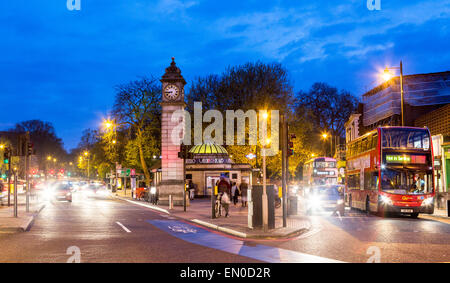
414	159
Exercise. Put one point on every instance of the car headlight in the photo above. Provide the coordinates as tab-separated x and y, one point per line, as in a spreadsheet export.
428	201
385	200
314	201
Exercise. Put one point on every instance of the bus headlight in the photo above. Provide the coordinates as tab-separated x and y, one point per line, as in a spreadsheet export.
428	201
385	200
314	201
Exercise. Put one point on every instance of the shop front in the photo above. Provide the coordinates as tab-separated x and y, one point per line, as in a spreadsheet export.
209	163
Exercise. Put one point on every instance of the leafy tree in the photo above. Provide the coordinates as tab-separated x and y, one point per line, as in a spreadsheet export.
44	139
249	86
137	108
255	86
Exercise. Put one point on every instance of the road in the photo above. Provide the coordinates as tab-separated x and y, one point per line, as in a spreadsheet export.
91	225
358	237
111	230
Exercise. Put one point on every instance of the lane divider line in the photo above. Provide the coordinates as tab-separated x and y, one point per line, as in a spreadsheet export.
123	227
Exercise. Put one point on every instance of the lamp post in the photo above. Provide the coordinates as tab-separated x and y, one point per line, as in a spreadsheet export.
325	137
264	198
46	165
86	153
111	126
387	75
265	201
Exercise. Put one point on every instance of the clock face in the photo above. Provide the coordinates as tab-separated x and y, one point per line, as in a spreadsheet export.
171	92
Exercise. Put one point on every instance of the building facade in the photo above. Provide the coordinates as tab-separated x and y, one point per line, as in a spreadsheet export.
426	104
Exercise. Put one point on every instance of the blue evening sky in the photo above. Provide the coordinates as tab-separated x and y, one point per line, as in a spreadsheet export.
61	66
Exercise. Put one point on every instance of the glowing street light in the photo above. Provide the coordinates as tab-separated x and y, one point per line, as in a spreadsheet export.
108	124
325	137
2	146
387	75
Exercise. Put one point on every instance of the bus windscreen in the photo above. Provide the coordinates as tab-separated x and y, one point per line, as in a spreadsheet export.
405	138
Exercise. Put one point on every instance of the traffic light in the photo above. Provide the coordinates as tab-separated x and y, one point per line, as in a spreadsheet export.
290	151
6	156
30	149
184	152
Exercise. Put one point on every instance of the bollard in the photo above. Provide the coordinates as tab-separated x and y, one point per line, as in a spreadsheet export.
170	202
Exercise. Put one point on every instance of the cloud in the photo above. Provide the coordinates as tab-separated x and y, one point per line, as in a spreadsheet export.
271	32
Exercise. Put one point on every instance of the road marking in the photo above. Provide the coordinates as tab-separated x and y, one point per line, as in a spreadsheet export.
146	205
123	227
209	239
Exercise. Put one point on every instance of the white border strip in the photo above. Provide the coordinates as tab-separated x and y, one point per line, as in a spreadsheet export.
222	229
147	206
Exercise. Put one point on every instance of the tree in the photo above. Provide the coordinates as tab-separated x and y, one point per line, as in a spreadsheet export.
44	139
252	86
137	108
249	86
326	107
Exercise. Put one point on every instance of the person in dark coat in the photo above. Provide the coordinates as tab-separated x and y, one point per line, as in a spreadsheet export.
224	191
243	188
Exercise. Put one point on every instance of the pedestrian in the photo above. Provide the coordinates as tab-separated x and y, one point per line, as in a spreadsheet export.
225	200
234	193
224	191
243	188
191	190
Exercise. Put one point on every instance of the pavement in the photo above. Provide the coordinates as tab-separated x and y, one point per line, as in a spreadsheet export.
199	212
24	220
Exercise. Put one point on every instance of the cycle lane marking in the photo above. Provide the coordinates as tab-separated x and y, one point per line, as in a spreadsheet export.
199	236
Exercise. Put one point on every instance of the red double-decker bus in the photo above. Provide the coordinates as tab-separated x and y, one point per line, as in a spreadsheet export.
390	170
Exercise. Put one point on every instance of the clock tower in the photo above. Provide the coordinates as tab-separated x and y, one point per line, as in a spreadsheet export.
172	182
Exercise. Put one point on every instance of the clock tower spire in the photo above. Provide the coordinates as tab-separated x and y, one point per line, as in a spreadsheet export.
172	181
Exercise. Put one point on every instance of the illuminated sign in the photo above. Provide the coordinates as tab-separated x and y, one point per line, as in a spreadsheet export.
414	159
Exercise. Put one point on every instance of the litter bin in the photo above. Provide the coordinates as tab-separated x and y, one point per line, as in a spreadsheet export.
255	205
292	205
448	208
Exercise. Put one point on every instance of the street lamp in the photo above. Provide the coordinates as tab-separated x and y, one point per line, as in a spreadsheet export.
325	137
265	201
387	75
86	153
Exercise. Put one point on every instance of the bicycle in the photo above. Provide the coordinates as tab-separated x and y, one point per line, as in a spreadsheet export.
277	202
